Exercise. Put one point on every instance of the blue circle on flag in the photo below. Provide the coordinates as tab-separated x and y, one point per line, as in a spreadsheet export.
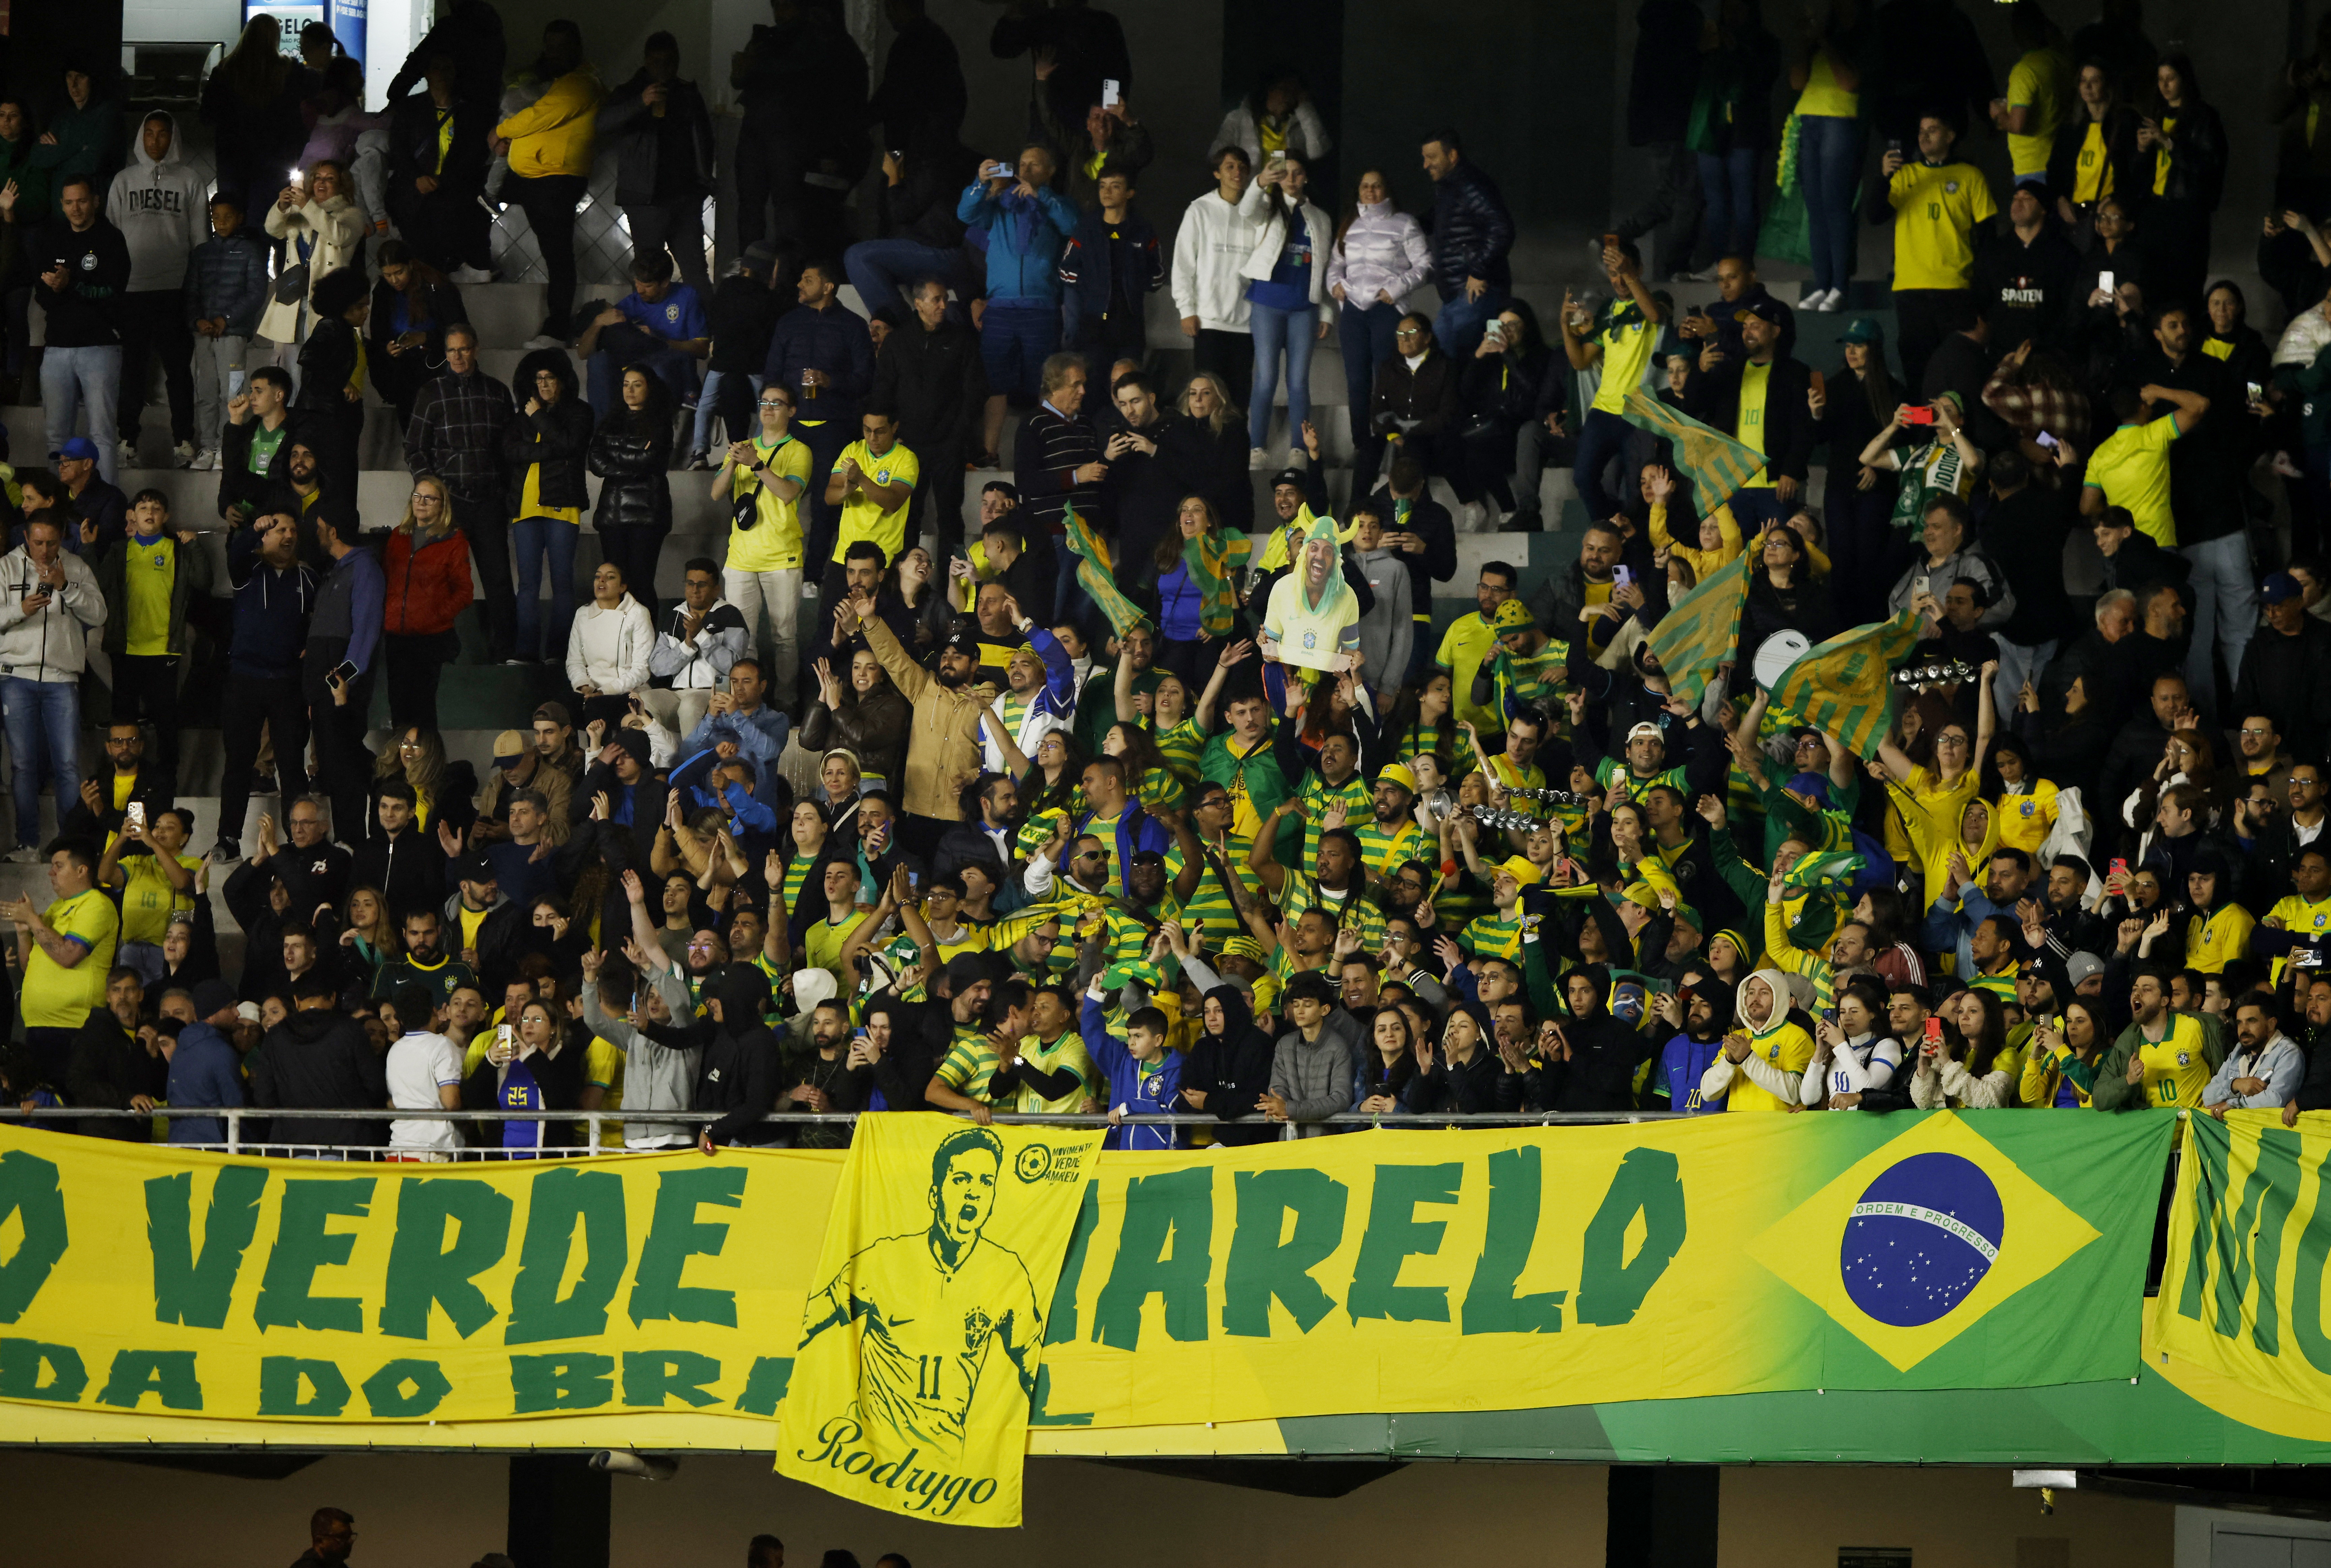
1920	1239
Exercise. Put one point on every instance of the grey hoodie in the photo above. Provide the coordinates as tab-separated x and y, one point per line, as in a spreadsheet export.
1387	630
1315	1077
656	1076
160	210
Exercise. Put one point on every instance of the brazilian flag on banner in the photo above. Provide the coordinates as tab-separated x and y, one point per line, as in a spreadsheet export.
1846	685
1702	630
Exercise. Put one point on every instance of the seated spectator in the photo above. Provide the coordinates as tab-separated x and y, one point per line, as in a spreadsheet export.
660	323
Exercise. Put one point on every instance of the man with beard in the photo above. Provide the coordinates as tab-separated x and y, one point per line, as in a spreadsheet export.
424	961
2164	1058
301	494
1698	1012
741	1066
943	746
962	1053
2314	1089
826	1079
1389	835
2263	757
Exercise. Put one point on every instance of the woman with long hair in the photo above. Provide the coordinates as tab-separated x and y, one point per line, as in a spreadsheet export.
1196	567
1419	722
1207	404
1386	1066
537	1070
1962	1070
1052	788
251	104
1732	124
444	791
915	578
1276	118
1884	914
2096	155
1379	257
369	935
1287	284
1146	778
1826	73
1867	552
2060	1062
413	303
426	562
1783	595
631	452
607	651
330	399
1508	389
2180	158
544	449
863	713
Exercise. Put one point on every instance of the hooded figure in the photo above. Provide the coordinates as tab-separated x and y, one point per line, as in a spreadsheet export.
1692	1052
553	438
1313	615
1770	1077
1232	1070
157	202
739	1072
2220	929
1598	1073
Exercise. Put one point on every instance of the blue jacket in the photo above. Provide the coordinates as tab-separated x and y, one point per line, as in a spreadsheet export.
1025	241
760	736
1471	232
228	277
746	814
1090	263
834	340
271	610
1136	829
1141	1094
204	1071
1679	1070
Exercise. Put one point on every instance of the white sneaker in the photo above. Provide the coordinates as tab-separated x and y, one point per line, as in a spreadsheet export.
128	452
28	855
467	274
1259	460
543	340
186	454
1832	303
207	461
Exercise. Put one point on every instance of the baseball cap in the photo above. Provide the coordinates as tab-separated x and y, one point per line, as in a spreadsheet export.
962	643
509	746
2280	588
80	447
1863	329
1764	307
1645	728
2080	965
556	713
1512	615
1401	773
213	996
475	868
1288	476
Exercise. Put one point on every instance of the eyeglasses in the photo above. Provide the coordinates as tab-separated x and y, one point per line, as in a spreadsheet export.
1410	332
775	403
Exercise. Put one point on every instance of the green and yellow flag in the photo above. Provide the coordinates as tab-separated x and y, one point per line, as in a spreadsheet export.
925	1324
1846	685
1822	868
1096	571
1702	630
1211	559
1715	464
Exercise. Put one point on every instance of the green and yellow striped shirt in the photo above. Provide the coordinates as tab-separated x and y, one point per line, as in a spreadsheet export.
969	1064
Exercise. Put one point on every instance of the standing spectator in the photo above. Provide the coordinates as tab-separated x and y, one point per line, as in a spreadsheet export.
49	601
1732	125
660	325
225	289
82	268
1278	117
1659	91
157	202
663	140
1155	460
64	951
2039	87
543	451
549	145
1286	295
94	513
1858	497
1027	224
425	565
944	742
413	304
148	577
456	432
922	99
763	567
255	448
321	230
1060	462
469	36
1937	203
822	353
251	105
2023	534
2286	669
1378	257
802	81
2096	150
1210	250
2206	495
922	236
743	312
608	650
273	596
423	1073
2181	147
1825	71
437	155
330	400
931	373
1471	233
206	1069
2130	467
1109	135
631	452
1075	50
2024	275
345	626
25	206
872	481
1619	341
1762	401
1111	265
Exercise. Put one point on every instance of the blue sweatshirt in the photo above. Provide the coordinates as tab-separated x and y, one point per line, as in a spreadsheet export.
1025	241
1678	1072
204	1070
349	613
271	610
1143	1089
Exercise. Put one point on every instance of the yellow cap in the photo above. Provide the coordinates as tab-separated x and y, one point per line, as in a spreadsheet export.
1511	616
1399	774
1521	869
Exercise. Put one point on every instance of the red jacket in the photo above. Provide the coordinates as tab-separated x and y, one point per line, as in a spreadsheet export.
427	587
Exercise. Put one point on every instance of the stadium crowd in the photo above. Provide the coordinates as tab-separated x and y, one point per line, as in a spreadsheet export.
1161	789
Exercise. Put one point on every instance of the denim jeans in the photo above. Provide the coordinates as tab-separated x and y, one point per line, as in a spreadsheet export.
2225	615
1365	333
1015	337
534	538
1277	331
41	714
1600	438
708	408
2017	664
72	379
1458	328
1729	181
880	269
1829	165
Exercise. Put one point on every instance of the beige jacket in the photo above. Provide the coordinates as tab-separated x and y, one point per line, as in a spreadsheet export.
943	746
336	230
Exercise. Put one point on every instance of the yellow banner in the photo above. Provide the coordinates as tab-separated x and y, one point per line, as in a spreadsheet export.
920	1347
140	1278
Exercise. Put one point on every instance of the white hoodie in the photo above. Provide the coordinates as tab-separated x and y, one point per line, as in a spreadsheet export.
1210	256
54	645
160	210
609	649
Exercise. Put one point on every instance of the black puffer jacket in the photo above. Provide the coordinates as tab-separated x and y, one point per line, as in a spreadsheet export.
1471	232
557	437
631	453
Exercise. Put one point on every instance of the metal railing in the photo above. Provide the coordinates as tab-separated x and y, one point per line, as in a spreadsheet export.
596	1124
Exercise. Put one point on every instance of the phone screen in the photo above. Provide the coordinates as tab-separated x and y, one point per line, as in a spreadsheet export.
1918	415
2105	281
1109	93
2047	441
346	670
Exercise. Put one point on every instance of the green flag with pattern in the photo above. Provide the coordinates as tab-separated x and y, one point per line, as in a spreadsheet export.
1096	575
1715	464
1702	630
1846	685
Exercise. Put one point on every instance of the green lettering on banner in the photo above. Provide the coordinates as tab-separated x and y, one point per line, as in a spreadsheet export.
29	1190
1038	1413
1060	1323
556	1201
2248	1242
422	1270
1516	1183
22	1361
674	1236
1610	1289
302	1247
168	1374
385	1392
1394	1234
651	1378
1178	1205
280	1385
2208	1150
2306	1287
576	1381
197	1290
1261	1267
764	1386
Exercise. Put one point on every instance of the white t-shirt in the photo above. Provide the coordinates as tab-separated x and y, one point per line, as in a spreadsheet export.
419	1065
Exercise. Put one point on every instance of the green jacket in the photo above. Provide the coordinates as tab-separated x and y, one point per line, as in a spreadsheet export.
2114	1092
192	576
1266	786
19	162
